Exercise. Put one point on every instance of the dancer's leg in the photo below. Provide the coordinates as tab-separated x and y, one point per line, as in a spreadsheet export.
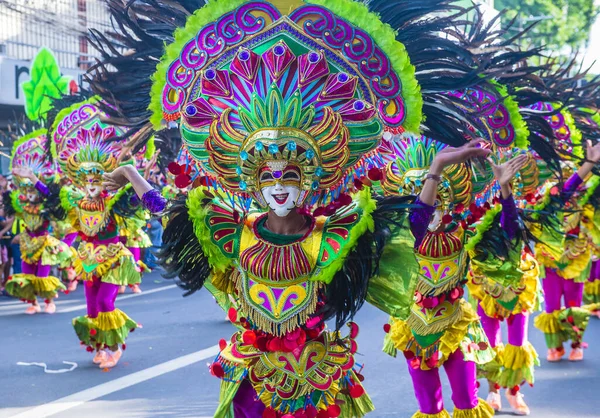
491	327
428	390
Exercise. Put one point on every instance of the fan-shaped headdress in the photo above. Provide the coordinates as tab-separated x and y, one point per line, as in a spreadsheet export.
30	152
81	141
254	88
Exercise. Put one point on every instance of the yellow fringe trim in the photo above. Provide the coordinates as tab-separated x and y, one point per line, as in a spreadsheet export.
108	321
442	414
592	288
482	410
402	337
514	357
46	284
103	268
548	323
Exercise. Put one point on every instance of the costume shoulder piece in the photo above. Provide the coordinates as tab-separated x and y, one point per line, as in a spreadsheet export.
70	196
216	226
340	233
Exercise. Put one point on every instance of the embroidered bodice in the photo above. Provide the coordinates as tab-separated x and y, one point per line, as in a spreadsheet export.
279	284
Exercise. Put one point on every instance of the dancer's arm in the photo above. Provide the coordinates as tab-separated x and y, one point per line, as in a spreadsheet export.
504	174
151	198
425	205
26	173
592	158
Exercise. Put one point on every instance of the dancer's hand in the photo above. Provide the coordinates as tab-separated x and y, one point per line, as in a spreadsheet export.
118	178
451	155
25	173
504	173
593	152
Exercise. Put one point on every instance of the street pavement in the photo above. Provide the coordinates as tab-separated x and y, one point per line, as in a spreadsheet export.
163	372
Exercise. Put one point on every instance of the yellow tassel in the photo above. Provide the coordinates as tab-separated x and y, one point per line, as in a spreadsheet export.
548	322
442	414
482	410
592	288
517	357
107	321
46	284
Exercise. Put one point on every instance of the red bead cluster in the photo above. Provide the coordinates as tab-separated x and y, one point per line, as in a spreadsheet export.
430	302
181	173
330	209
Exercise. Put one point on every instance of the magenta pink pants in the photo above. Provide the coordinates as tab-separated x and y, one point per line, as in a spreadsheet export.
38	269
555	287
100	297
518	328
463	382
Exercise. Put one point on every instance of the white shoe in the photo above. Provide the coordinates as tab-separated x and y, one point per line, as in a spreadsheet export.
494	400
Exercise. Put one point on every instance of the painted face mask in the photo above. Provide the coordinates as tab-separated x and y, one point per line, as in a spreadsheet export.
280	188
93	187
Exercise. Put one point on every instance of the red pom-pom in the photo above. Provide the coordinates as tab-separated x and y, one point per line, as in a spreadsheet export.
323	414
358	184
570	319
249	337
459	208
93	332
515	389
89	349
375	174
477	384
89	283
334	411
554	191
356	391
124	346
446	219
217	370
269	413
66	292
310	411
232	314
360	377
287	416
222	344
386	328
320	211
345	199
483	345
174	168
261	343
182	181
300	414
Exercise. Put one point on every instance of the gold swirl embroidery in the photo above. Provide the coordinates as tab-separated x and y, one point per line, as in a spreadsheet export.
277	305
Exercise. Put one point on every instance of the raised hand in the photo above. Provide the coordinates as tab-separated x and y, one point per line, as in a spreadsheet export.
451	155
505	172
118	178
593	152
25	173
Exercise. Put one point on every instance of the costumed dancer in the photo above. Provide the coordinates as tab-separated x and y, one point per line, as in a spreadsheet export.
82	147
65	232
514	362
562	248
442	329
36	203
279	132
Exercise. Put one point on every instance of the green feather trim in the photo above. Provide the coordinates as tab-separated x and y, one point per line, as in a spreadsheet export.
576	136
69	197
62	115
482	227
384	36
365	222
201	17
150	149
16	203
591	188
516	119
118	195
541	205
22	140
198	212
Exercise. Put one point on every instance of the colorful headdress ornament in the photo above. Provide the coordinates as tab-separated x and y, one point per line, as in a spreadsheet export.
567	136
254	89
89	153
405	173
30	152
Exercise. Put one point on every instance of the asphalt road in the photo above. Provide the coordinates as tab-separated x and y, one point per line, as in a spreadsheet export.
163	372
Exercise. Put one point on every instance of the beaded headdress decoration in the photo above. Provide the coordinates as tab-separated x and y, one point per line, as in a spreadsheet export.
256	89
83	142
30	151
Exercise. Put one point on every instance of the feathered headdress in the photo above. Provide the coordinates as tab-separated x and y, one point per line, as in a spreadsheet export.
30	152
285	90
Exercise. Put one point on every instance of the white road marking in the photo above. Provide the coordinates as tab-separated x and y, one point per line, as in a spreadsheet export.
79	398
19	309
20	304
50	371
